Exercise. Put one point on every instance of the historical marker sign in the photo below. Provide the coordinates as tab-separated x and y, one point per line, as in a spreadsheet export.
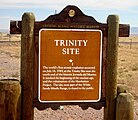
70	65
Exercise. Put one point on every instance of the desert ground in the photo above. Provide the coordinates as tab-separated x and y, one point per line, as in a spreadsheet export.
127	75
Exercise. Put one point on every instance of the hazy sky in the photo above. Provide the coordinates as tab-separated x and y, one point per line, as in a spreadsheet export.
99	9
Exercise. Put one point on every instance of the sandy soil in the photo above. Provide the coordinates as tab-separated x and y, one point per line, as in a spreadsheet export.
127	74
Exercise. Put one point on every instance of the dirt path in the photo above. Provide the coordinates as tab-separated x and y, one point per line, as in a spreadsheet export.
69	113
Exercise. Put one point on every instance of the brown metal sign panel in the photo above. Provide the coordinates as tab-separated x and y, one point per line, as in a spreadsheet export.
70	65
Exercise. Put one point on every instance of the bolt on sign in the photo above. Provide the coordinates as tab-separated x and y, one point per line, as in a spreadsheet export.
70	65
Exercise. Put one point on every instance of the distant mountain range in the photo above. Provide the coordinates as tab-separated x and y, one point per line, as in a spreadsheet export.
4	31
133	31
